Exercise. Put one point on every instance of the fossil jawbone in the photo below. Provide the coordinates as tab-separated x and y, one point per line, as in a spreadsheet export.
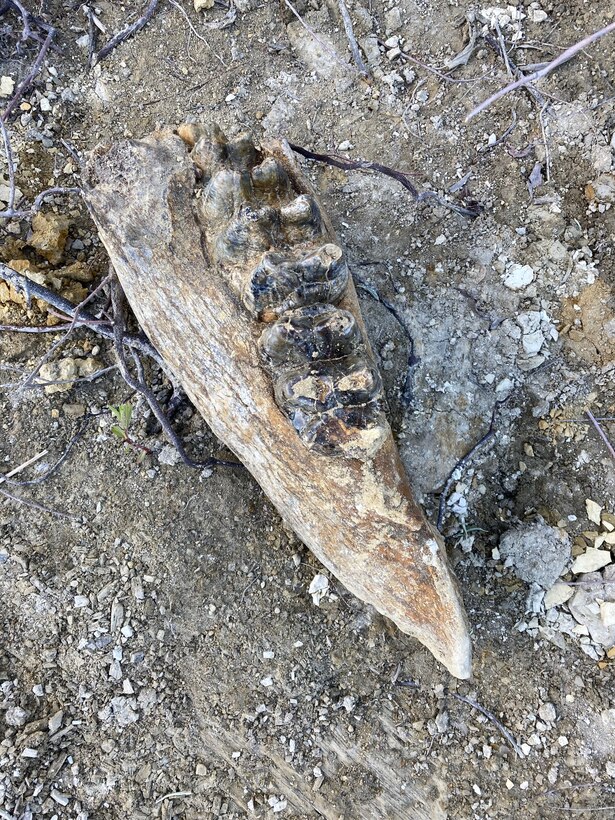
187	289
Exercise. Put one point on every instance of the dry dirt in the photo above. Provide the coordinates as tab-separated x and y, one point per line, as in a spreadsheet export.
160	654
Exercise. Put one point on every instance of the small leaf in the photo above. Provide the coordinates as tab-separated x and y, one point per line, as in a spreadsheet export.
118	431
125	415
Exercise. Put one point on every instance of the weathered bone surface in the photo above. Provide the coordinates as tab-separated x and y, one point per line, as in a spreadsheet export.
235	273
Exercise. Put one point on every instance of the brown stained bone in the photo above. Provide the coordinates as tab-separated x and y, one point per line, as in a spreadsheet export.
358	517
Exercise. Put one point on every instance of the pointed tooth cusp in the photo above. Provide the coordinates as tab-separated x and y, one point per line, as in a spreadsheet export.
241	153
222	197
301	219
270	177
208	155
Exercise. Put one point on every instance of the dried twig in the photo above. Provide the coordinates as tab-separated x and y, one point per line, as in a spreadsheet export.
119	309
22	466
59	342
91	33
500	50
601	433
27	502
354	47
457	469
127	32
29	78
10	212
566	55
196	34
490	716
399	176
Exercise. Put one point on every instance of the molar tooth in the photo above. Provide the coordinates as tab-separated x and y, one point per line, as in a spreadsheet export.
309	334
281	282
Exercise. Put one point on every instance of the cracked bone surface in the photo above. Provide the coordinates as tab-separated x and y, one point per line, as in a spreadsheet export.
234	272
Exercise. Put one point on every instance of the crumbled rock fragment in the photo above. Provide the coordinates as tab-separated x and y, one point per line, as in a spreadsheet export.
50	232
7	84
602	189
65	371
319	588
199	5
607	613
519	277
547	712
594	511
392	20
591	560
538	551
586	605
15	716
558	594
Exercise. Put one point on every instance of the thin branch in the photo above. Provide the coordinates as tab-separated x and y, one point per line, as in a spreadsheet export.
54	469
27	502
10	165
127	32
22	466
29	78
59	342
354	47
399	176
10	212
412	359
33	289
601	433
196	33
490	716
119	308
566	55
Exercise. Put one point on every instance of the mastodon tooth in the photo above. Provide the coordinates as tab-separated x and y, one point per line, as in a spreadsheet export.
236	275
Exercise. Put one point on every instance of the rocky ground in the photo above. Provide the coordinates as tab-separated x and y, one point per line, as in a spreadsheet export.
161	654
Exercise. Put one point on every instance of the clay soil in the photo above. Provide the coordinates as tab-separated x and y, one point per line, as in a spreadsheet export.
160	654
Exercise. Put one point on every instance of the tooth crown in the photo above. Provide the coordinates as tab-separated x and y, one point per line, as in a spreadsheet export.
271	244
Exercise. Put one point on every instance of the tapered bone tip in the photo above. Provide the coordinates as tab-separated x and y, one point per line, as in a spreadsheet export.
458	656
